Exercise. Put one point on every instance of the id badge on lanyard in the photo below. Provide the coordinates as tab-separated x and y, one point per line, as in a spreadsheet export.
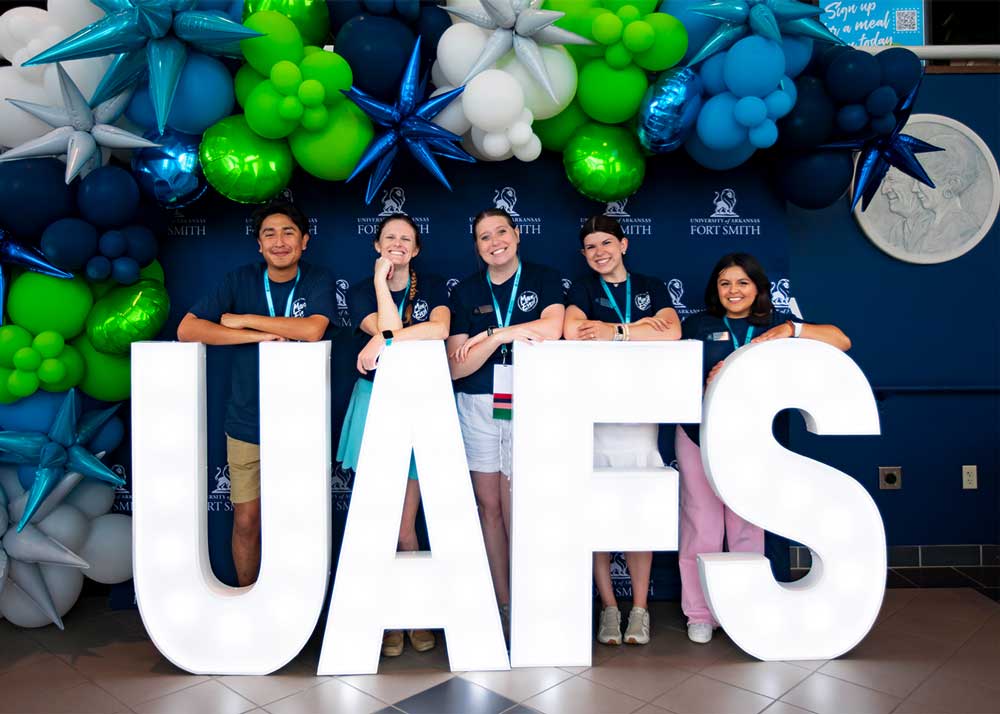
503	391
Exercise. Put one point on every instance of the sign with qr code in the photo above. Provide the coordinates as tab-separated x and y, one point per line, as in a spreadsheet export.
868	23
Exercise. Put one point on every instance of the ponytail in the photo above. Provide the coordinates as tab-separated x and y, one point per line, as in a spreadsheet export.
408	313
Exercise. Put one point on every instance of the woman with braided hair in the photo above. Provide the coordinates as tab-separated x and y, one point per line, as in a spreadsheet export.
394	304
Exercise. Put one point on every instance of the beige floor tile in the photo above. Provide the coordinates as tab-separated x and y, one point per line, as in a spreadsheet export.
893	663
810	664
974	667
395	687
676	649
123	656
932	623
84	698
701	695
962	604
581	696
829	695
135	688
650	709
575	670
45	675
17	648
946	695
642	677
270	688
772	679
519	684
331	696
205	698
785	708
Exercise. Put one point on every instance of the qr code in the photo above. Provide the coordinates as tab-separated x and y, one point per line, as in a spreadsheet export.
906	20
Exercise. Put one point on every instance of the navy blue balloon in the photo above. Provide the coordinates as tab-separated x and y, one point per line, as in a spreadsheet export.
109	437
430	25
125	270
98	268
882	101
822	59
34	413
815	179
140	108
717	160
113	244
852	118
377	48
798	52
34	194
26	475
170	173
409	10
378	7
811	120
108	197
69	243
901	69
884	125
342	11
852	76
669	110
142	246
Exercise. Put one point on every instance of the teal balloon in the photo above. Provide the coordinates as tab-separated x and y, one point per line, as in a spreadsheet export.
128	314
604	162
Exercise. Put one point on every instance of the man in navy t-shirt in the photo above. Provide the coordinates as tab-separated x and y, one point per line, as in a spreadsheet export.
279	299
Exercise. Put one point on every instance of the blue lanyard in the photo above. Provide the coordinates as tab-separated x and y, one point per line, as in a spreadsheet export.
406	292
628	298
291	295
505	322
746	341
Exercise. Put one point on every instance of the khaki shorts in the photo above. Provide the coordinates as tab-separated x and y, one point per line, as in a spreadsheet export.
244	470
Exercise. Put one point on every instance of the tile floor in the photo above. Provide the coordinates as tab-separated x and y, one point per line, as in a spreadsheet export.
932	651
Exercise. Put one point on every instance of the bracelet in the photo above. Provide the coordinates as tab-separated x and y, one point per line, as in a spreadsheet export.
796	328
628	333
619	333
490	330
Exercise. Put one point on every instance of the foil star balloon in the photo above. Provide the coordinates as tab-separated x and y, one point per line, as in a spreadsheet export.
407	123
768	18
148	35
13	253
520	25
78	131
879	153
58	453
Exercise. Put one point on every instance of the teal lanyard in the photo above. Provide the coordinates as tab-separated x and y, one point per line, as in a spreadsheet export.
505	322
627	318
736	345
406	292
291	295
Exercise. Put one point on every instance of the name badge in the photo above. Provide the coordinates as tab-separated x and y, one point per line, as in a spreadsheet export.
719	337
483	310
503	391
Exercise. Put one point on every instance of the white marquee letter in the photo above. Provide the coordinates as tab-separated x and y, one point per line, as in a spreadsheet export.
198	623
376	588
564	509
830	610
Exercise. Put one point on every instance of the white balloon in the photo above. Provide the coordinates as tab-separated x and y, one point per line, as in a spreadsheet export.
493	100
452	117
473	143
562	73
92	498
496	145
437	76
64	585
17	126
530	151
108	549
520	134
9	482
458	49
67	525
73	15
463	5
18	26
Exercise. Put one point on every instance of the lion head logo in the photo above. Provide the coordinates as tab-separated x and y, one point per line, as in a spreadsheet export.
506	198
676	289
452	282
725	201
780	293
392	201
616	209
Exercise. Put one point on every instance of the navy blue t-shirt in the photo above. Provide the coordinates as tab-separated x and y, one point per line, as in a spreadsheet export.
361	302
472	312
718	341
649	296
242	293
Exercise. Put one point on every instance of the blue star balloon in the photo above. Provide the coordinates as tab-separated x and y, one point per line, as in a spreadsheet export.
13	253
768	18
60	453
407	123
148	35
880	152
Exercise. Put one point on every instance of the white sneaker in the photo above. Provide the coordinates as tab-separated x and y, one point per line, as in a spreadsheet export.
637	632
700	632
610	630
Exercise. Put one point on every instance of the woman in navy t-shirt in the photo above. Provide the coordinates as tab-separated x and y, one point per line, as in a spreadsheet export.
612	303
394	304
512	300
738	312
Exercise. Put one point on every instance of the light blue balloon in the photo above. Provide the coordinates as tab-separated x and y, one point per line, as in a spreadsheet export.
711	74
204	95
669	110
798	52
717	125
699	27
764	134
753	67
717	160
750	111
140	108
782	100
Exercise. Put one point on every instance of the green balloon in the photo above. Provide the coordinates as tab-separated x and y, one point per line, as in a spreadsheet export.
49	344
241	165
611	95
247	79
107	377
291	109
638	36
604	162
281	41
51	371
264	112
333	152
5	396
73	364
642	6
286	77
617	56
27	359
311	17
311	92
128	314
332	71
39	303
607	28
22	384
628	13
556	131
12	339
153	271
315	118
670	42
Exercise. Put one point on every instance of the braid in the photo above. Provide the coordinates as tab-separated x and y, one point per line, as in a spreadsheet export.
408	314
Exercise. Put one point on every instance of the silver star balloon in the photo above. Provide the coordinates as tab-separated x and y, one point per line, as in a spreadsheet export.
78	131
520	25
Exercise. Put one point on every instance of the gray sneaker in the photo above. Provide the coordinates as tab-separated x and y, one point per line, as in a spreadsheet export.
637	632
610	630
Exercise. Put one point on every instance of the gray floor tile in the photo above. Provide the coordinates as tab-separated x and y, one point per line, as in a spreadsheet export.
456	696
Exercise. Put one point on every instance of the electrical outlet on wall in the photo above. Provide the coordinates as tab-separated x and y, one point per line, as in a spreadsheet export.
970	477
890	477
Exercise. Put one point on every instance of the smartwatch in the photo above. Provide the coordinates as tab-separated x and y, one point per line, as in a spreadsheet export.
796	328
387	336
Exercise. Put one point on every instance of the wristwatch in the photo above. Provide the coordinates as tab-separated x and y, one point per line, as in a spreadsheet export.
387	336
490	330
796	328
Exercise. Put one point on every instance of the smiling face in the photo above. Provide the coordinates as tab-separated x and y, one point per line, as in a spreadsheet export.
398	243
496	241
901	201
280	241
603	252
736	291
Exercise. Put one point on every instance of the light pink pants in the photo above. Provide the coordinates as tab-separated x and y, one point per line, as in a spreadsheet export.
705	521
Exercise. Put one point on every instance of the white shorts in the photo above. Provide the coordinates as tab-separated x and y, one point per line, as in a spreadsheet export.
626	446
488	443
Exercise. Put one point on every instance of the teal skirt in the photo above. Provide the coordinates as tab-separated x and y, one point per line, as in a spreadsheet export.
353	429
